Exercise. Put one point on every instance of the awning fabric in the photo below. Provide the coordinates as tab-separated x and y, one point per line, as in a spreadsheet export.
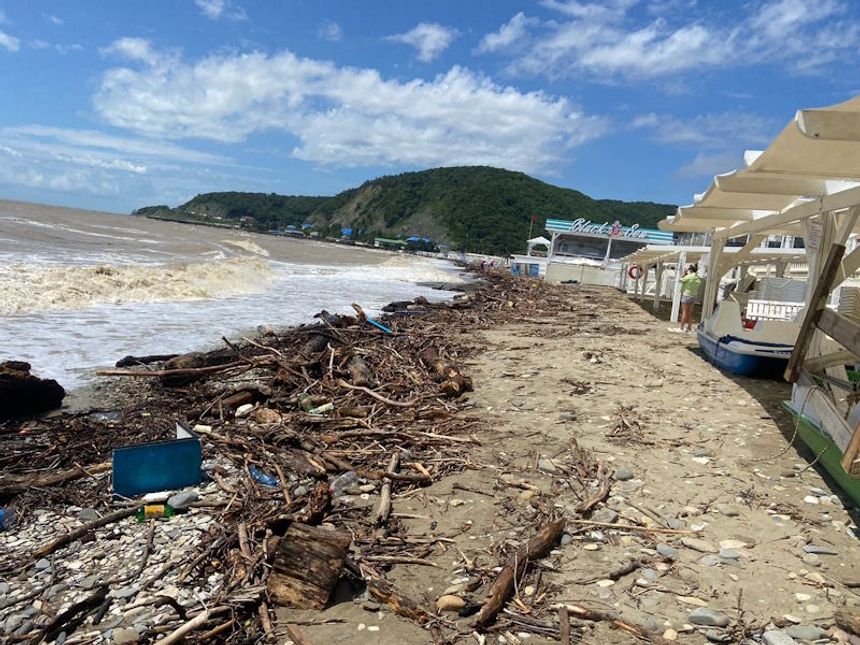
816	154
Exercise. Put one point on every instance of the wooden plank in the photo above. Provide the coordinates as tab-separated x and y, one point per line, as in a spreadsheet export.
820	403
827	360
842	329
851	452
814	312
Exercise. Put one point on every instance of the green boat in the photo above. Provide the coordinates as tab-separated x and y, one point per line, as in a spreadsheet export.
827	451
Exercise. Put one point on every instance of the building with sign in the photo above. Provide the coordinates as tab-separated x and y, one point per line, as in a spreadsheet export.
584	251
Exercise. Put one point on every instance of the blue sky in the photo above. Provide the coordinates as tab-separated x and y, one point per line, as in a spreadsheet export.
116	105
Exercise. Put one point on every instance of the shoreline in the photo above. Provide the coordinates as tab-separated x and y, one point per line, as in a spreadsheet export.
681	499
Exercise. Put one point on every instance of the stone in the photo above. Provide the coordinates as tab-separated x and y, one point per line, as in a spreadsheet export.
728	511
88	515
450	603
730	554
605	515
811	499
300	491
22	394
670	635
701	546
701	460
526	496
792	618
125	635
811	559
777	637
649	574
806	632
244	410
605	583
622	473
667	551
43	565
591	546
812	609
675	523
89	582
701	452
802	597
4	588
266	416
182	500
124	592
692	600
546	465
369	605
709	561
736	543
820	550
566	539
715	636
814	576
710	617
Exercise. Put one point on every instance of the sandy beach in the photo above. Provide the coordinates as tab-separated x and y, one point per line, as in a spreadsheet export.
689	514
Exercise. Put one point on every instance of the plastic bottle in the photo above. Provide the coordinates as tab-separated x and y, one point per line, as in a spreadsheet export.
7	518
342	483
154	511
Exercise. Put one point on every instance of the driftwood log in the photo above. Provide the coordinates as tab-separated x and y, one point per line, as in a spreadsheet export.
359	372
10	484
503	585
848	619
401	605
307	566
131	361
454	383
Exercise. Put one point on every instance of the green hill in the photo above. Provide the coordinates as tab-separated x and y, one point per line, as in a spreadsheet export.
473	208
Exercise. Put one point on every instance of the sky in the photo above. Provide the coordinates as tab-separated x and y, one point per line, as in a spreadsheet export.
117	105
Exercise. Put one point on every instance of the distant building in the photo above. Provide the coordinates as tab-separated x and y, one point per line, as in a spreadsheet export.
391	245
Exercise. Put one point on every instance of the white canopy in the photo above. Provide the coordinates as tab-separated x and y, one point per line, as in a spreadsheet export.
816	155
538	240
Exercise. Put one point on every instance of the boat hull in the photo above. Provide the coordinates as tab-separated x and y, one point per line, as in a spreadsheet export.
734	355
828	453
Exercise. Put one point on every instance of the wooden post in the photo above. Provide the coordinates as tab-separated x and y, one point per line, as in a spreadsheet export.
713	280
307	566
676	289
658	286
817	304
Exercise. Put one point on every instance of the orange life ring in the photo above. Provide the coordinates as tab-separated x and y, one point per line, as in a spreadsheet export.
635	272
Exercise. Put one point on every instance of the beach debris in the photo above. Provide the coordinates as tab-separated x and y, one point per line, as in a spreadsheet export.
450	602
7	519
157	466
307	566
503	585
22	393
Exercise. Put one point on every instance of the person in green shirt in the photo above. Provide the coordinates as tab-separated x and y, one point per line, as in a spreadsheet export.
690	284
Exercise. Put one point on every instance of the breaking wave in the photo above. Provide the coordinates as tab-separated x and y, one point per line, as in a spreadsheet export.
27	288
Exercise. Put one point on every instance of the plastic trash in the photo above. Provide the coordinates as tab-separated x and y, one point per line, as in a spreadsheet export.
305	402
379	325
343	483
263	478
154	512
157	466
6	519
325	407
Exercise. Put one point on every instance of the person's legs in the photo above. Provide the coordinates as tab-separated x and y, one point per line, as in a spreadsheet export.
686	315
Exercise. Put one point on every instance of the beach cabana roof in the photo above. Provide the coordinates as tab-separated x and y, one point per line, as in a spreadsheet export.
817	155
653	254
538	240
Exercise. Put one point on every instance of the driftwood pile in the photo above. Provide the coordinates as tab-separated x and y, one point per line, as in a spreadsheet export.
309	404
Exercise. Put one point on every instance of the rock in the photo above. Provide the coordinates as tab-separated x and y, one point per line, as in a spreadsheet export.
300	491
266	416
814	576
811	499
182	500
710	617
777	637
802	597
812	609
667	551
450	603
811	559
670	635
820	550
605	583
89	582
692	600
591	547
566	539
244	410
737	543
525	497
806	632
124	592
701	452
675	523
369	605
728	511
4	588
545	464
699	545
21	393
649	574
715	636
730	554
87	515
622	473
125	635
701	460
43	565
605	515
709	561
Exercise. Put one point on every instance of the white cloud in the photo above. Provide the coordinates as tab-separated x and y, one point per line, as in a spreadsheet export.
709	164
607	39
135	49
330	31
344	115
513	31
9	43
216	9
54	20
62	49
429	38
725	130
